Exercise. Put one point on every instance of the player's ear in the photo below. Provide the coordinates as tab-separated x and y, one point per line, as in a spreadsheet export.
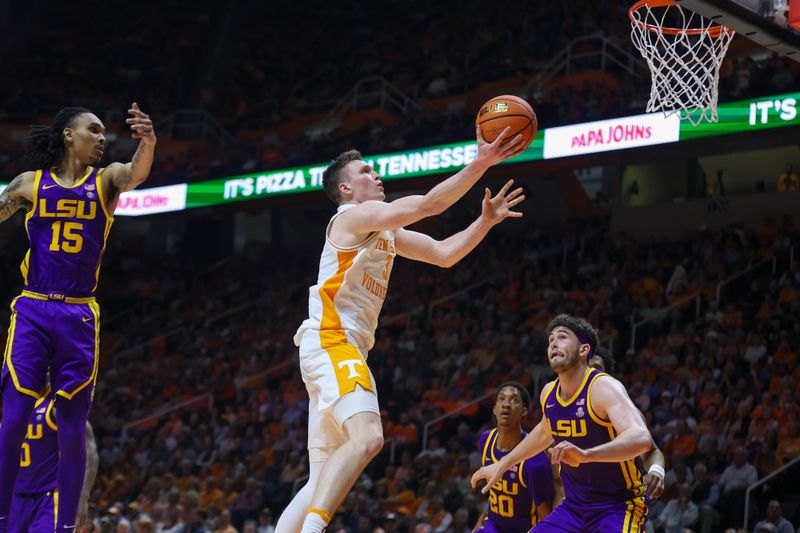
585	352
524	412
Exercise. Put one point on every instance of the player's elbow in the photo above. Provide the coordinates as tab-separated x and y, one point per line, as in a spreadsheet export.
644	441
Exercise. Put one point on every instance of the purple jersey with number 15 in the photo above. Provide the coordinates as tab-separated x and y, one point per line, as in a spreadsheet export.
67	227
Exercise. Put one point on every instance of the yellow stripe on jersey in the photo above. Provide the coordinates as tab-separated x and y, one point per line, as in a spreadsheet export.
109	221
26	263
101	194
10	349
547	394
521	477
577	392
348	363
492	445
592	414
89	170
485	455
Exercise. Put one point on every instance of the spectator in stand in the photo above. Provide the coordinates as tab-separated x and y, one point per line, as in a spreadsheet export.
734	481
679	514
789	180
705	495
775	519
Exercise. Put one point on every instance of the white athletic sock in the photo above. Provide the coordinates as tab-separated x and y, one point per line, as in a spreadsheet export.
314	522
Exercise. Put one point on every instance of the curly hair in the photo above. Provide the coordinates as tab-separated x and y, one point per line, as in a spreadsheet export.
44	145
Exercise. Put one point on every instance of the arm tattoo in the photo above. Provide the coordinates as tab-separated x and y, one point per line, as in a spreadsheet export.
8	204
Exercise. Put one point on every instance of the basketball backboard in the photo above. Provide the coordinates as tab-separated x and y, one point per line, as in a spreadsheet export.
764	22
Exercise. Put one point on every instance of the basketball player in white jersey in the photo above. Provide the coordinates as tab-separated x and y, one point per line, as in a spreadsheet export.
361	241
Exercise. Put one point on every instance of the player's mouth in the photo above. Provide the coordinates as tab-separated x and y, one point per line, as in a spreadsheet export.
99	149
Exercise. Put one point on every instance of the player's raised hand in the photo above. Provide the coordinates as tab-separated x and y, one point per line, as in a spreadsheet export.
141	125
654	485
567	453
491	473
498	208
499	150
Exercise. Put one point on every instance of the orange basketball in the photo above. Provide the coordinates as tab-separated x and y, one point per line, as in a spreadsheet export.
507	110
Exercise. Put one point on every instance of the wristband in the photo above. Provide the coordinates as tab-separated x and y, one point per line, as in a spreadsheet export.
657	470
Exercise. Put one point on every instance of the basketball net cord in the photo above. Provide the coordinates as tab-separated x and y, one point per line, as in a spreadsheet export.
684	52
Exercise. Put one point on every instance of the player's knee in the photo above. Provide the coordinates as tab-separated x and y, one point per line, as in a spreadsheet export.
370	441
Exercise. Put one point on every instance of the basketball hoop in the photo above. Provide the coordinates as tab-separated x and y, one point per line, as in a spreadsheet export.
684	52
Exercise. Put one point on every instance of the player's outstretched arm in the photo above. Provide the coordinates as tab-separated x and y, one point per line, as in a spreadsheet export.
124	177
446	253
18	195
92	462
534	442
378	216
610	401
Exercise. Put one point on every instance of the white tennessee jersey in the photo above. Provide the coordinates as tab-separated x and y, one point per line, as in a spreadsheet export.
345	302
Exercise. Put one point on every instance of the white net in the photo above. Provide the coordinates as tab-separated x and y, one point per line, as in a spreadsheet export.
684	52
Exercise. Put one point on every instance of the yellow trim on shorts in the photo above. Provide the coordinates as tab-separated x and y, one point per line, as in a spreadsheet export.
66	299
10	348
93	378
55	508
635	514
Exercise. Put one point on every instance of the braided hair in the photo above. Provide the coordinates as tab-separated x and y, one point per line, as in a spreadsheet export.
44	146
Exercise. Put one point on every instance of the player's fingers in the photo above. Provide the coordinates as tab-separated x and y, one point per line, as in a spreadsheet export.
516	201
479	135
505	188
475	478
500	138
514	214
513	194
512	146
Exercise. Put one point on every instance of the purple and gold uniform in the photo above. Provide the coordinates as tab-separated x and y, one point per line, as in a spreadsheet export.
598	497
514	499
55	321
33	507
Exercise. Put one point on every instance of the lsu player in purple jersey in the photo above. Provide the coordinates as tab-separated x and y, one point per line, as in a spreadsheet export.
598	435
653	460
35	500
55	321
525	494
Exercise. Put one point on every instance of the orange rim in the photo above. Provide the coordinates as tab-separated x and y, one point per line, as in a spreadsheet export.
714	32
